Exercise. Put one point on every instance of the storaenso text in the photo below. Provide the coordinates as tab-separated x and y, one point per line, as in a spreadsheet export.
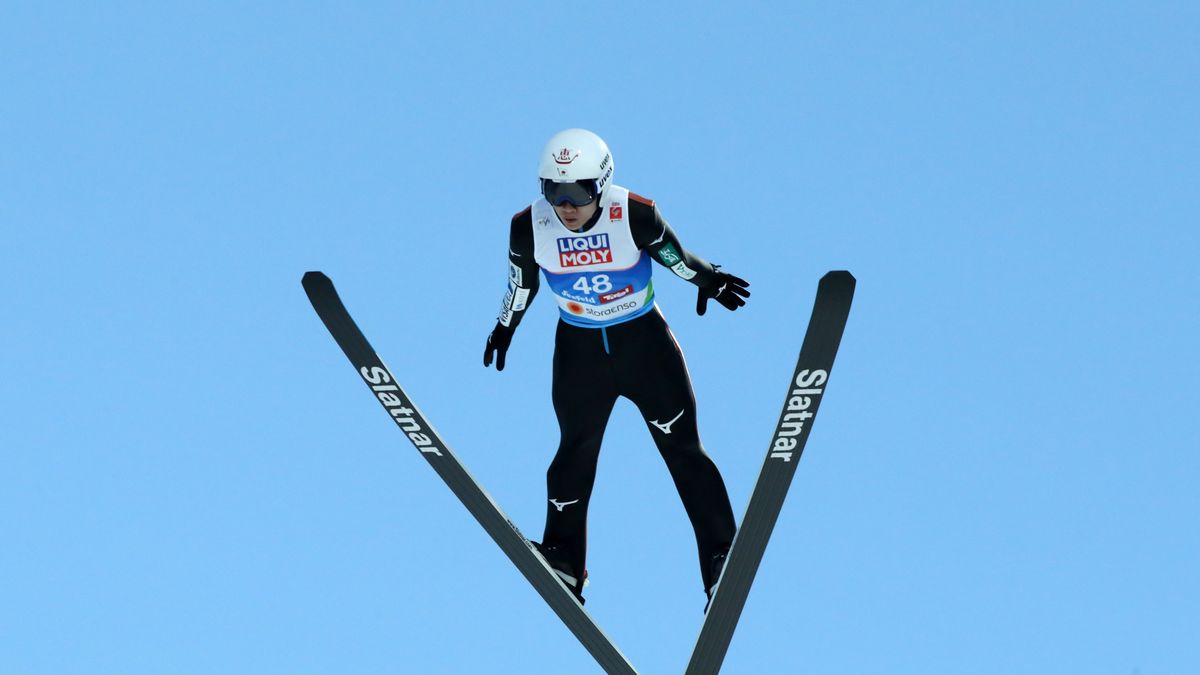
381	383
809	383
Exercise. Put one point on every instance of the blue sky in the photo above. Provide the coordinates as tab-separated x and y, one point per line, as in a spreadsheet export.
193	480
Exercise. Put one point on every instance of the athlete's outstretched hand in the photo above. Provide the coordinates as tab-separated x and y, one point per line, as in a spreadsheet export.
497	343
725	289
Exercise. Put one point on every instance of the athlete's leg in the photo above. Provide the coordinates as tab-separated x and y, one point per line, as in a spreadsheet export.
584	393
652	373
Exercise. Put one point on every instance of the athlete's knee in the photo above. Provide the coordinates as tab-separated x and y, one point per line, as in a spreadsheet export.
687	454
573	459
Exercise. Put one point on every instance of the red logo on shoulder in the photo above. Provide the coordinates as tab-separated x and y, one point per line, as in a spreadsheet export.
615	212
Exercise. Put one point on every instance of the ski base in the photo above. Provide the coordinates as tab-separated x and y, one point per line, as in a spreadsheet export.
805	391
479	503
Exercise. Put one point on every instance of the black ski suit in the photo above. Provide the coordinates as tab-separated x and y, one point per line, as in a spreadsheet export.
640	360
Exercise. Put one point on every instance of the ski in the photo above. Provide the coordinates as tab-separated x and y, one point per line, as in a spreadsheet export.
420	433
805	391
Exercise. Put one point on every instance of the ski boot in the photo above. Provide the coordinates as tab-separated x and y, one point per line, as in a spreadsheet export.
556	558
715	567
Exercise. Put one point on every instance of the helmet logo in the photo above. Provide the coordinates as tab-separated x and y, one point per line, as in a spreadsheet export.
566	156
604	179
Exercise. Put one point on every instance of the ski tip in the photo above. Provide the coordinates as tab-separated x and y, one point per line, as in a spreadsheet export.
839	275
314	277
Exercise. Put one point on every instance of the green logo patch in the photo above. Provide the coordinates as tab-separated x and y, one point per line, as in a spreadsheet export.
669	255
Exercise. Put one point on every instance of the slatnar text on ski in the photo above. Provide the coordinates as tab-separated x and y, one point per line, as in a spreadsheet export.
808	385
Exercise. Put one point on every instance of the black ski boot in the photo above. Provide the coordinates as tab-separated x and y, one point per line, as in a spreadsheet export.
715	567
556	558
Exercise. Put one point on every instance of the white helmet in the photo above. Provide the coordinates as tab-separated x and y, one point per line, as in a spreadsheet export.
575	156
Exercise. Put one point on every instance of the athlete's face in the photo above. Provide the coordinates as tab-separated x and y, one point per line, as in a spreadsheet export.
575	216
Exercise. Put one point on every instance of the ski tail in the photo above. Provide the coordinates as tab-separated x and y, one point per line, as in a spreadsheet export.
806	389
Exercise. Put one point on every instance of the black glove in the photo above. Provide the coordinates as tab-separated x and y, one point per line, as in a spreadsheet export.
497	343
725	289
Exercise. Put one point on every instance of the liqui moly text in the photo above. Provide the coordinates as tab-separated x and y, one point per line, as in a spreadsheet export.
578	251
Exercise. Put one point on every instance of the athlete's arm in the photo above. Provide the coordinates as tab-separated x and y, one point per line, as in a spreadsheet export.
652	233
522	271
522	286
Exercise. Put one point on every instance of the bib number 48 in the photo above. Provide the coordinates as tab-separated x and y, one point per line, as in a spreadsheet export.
597	283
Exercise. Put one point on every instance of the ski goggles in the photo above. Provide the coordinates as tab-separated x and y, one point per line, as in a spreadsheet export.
579	193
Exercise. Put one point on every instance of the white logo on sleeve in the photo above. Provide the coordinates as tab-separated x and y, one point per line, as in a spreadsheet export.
559	505
666	427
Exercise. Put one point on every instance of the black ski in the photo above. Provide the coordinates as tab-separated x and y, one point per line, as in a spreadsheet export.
805	391
412	423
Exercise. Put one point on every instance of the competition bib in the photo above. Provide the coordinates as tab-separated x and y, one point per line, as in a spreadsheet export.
598	277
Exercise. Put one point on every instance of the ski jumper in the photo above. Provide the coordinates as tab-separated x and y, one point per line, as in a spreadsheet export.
612	341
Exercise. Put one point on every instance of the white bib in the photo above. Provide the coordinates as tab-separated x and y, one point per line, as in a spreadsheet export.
599	277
